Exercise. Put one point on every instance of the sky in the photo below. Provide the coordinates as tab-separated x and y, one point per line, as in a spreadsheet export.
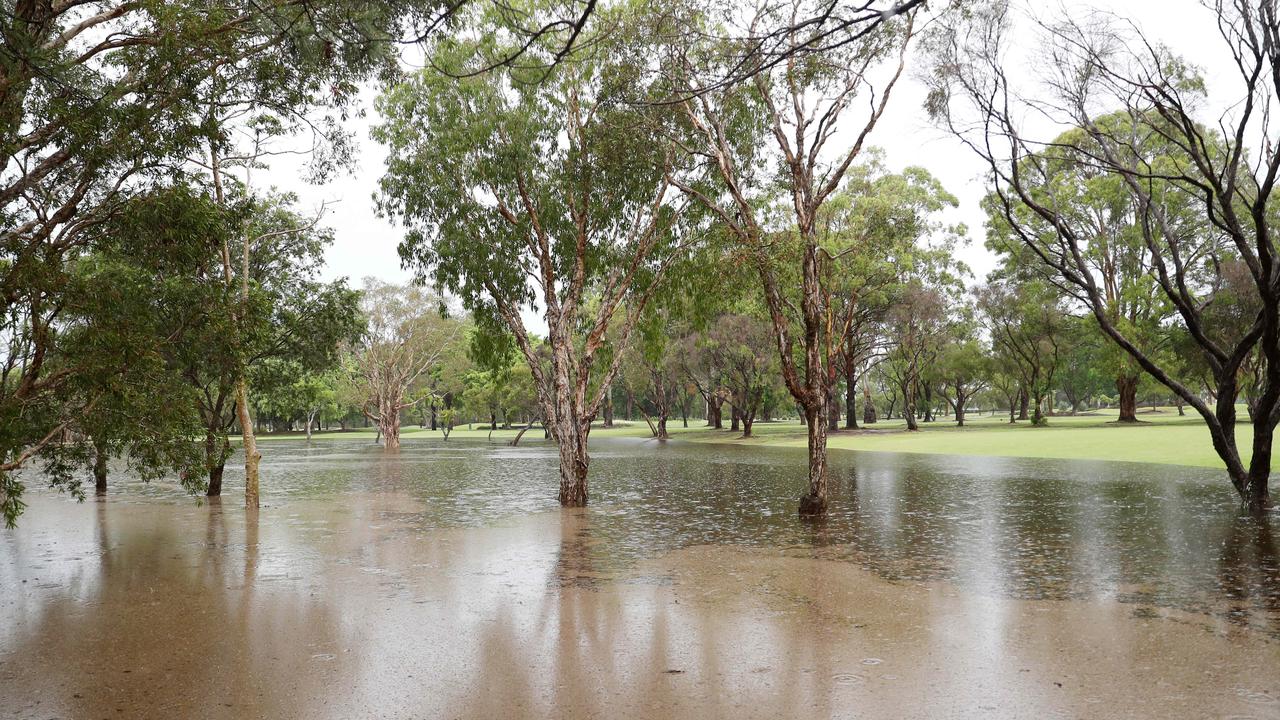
365	244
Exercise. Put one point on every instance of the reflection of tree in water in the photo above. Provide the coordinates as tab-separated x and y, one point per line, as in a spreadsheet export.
169	599
575	564
1249	574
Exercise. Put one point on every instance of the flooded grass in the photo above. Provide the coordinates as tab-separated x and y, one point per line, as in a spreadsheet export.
444	581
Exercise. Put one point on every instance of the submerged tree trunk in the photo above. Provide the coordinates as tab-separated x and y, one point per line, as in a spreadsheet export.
251	455
815	501
1127	389
100	455
571	438
215	461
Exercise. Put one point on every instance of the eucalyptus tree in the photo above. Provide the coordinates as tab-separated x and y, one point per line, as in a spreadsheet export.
742	347
406	336
917	326
101	101
759	154
1030	329
1107	219
963	369
1142	117
546	197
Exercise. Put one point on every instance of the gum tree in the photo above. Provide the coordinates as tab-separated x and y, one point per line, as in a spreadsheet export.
542	197
762	155
1139	117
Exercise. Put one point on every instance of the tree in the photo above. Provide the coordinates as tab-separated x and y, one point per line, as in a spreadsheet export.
741	345
916	327
406	336
1028	329
779	124
1175	170
963	369
542	196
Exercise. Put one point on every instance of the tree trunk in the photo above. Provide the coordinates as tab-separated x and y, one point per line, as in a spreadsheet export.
516	440
434	418
928	403
909	405
100	455
715	414
214	461
1023	401
734	417
748	419
815	502
850	396
606	412
868	407
571	439
251	455
833	408
960	401
1127	388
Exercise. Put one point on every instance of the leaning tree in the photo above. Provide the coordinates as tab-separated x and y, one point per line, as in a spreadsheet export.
1197	187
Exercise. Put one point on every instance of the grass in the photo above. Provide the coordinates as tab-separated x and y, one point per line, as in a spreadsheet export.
1162	437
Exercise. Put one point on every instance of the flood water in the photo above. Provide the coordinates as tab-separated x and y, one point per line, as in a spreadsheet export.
444	581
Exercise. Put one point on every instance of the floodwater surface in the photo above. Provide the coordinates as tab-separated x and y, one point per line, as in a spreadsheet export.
444	581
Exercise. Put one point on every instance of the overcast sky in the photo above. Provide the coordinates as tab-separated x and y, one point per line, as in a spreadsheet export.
365	245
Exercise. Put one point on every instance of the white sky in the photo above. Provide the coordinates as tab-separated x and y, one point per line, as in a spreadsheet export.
365	245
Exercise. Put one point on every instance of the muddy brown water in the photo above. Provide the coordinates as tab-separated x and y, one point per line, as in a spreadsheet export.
443	581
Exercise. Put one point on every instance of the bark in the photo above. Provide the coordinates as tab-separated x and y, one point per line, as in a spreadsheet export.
606	411
215	461
100	456
715	414
571	438
833	408
516	440
1127	388
1023	401
815	501
850	396
735	416
251	455
868	407
909	406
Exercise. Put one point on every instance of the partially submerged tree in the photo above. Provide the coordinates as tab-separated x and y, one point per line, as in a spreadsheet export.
405	337
542	197
780	125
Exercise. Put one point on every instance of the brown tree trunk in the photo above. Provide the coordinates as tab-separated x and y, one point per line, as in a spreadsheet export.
868	407
606	412
748	419
715	414
99	467
909	405
815	501
833	408
571	439
214	461
1023	401
734	417
1127	388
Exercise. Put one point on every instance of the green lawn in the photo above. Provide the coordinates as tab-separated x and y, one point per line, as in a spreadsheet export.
1162	437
